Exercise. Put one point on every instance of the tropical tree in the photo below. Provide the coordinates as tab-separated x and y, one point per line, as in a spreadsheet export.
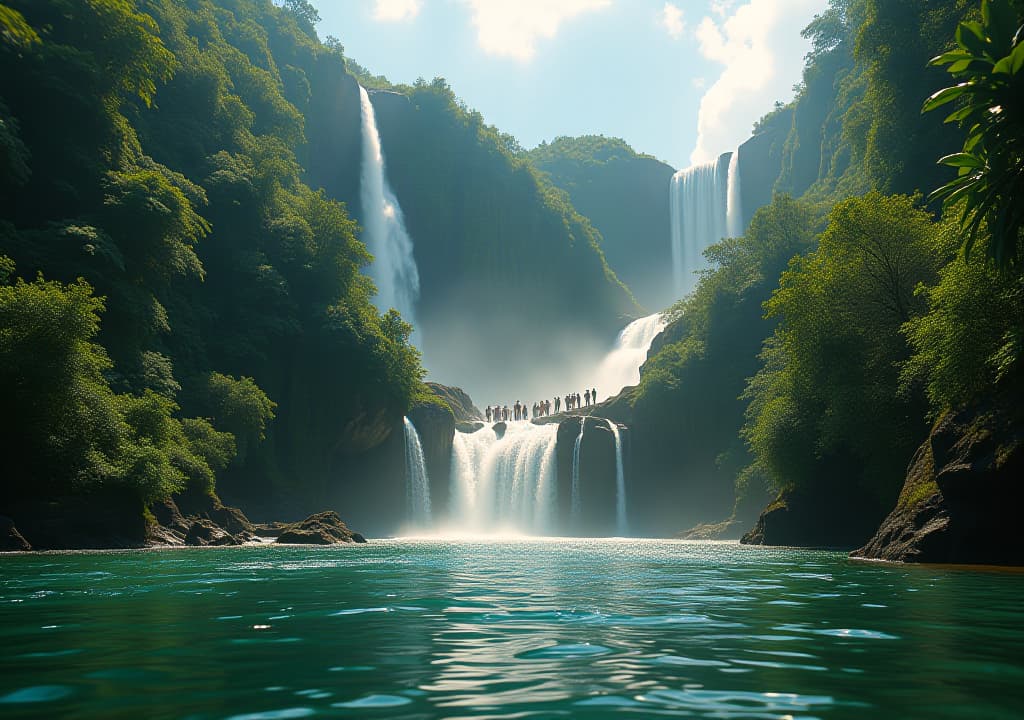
988	65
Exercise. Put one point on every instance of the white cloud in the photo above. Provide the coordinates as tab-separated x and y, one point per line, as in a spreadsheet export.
763	56
396	10
672	19
511	28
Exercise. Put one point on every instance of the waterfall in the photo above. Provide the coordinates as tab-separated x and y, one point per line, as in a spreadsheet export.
394	268
577	501
700	214
417	483
621	367
505	483
734	202
621	527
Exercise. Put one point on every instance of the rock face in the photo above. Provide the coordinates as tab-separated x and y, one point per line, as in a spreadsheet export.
827	517
198	519
435	425
95	521
10	538
962	497
461	404
324	528
597	484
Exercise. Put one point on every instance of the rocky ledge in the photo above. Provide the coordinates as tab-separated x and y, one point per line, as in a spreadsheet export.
191	519
962	498
325	528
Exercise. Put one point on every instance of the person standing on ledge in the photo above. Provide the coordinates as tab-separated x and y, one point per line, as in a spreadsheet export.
593	395
586	396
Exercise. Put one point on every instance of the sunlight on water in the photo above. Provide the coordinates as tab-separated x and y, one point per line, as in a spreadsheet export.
505	626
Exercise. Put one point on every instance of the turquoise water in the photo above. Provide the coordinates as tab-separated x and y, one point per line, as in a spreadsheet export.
511	629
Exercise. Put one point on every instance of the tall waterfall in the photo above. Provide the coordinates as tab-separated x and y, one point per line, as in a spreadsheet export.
734	202
417	483
507	483
394	268
700	214
577	500
621	367
621	526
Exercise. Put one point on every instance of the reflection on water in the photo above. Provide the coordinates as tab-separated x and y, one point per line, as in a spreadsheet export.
516	628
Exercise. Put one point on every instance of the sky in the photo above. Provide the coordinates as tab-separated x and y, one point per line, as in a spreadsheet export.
682	80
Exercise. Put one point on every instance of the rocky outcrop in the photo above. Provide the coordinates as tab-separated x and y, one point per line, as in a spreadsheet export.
826	516
10	538
597	483
324	528
962	498
730	529
198	519
435	425
94	521
461	404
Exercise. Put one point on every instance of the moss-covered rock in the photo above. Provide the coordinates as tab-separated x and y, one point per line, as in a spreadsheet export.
325	528
962	499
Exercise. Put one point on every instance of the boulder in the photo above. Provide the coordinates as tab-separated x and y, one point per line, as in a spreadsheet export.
829	515
206	532
10	538
325	528
461	404
962	497
468	427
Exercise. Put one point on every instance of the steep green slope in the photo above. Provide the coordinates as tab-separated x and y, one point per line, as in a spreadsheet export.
625	196
156	158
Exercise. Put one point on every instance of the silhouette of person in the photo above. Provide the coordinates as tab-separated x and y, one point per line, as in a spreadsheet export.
586	396
488	413
593	395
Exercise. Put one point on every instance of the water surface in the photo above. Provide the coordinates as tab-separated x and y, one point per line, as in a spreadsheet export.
505	629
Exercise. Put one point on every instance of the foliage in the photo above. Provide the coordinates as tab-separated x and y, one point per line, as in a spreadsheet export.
64	428
970	342
826	406
988	66
689	394
175	191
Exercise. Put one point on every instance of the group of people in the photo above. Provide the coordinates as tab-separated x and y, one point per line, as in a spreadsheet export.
542	408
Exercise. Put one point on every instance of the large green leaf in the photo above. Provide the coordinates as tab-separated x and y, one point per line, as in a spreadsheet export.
944	96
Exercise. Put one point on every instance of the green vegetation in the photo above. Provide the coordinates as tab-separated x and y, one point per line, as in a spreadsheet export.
204	315
988	66
883	320
623	193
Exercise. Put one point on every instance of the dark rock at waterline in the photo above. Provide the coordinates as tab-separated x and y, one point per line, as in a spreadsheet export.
962	496
325	528
469	427
827	516
458	400
731	529
94	521
10	538
204	532
499	429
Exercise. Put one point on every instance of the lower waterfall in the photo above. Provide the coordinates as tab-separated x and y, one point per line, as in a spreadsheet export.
417	484
577	501
621	526
505	483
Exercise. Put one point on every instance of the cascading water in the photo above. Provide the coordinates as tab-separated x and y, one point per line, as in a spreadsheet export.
577	500
394	268
734	201
621	526
621	367
507	483
417	484
704	207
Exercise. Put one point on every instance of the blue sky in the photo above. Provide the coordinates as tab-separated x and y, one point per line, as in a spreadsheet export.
683	80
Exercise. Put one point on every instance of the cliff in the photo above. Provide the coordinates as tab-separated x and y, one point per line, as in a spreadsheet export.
962	497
